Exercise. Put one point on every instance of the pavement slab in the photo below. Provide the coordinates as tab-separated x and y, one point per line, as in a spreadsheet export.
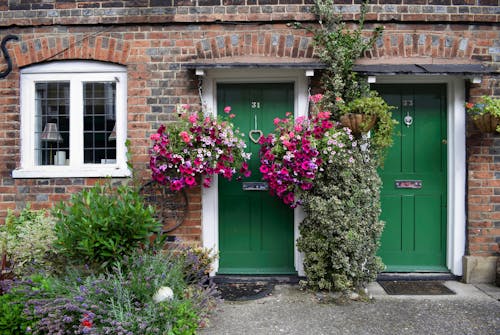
289	310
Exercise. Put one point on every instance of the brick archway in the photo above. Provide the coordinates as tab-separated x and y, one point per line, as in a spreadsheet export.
287	43
86	47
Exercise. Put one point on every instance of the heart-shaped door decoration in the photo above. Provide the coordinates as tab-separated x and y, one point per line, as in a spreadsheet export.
255	135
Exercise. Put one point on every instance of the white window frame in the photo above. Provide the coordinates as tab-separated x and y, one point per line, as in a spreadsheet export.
74	72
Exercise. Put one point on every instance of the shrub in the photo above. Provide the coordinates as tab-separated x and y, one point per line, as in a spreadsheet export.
121	301
341	231
100	225
28	240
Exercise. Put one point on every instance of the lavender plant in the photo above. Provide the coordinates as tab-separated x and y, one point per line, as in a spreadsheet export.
124	300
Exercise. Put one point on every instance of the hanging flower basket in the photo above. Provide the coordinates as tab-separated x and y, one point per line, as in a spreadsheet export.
486	123
485	114
358	123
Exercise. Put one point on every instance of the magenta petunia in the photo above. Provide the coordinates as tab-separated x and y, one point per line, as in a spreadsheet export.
292	156
190	180
192	147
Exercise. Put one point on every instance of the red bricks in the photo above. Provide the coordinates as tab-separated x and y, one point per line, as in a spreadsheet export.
155	46
483	194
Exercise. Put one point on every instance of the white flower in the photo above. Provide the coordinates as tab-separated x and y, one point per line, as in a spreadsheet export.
163	293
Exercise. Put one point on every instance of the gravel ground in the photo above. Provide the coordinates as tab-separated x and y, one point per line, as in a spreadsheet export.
292	311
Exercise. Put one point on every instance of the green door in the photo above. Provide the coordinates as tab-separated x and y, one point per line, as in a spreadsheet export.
414	180
255	229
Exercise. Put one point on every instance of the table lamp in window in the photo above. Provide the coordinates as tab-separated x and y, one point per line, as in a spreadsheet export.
51	135
112	136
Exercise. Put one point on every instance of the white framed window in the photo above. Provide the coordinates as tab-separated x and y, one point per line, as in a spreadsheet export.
73	120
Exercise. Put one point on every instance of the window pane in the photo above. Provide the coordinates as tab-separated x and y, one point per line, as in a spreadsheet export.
98	122
52	123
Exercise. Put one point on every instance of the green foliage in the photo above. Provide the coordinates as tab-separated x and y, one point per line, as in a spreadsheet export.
12	319
341	231
373	104
185	315
101	224
344	91
27	239
486	105
339	47
121	301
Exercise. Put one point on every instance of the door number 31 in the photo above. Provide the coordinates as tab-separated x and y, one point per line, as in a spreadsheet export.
255	104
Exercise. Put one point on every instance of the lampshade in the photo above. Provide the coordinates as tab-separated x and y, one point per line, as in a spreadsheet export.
51	133
112	136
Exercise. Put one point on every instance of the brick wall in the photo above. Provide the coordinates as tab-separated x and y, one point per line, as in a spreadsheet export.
483	187
157	81
483	229
156	42
68	12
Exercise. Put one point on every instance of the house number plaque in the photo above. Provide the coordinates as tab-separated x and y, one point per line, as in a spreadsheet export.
414	184
255	186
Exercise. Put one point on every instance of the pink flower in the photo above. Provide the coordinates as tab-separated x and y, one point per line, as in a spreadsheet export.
231	116
264	169
207	182
276	121
289	198
316	98
227	109
155	137
300	119
193	118
324	115
176	185
185	136
189	180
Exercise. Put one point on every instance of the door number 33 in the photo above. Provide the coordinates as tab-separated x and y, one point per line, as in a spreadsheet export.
256	104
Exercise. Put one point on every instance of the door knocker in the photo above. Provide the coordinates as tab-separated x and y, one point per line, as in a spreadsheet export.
408	120
255	134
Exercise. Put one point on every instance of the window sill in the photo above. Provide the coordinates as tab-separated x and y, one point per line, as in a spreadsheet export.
65	171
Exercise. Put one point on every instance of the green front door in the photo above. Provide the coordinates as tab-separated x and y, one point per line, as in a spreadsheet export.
414	180
255	229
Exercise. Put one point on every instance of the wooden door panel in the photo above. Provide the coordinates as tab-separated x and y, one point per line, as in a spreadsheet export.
414	237
255	229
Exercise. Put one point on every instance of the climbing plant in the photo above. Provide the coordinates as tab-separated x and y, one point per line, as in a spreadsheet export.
341	231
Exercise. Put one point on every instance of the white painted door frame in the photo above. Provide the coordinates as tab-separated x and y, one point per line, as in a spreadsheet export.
456	151
210	206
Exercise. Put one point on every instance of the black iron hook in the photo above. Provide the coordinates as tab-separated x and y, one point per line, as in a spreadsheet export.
6	54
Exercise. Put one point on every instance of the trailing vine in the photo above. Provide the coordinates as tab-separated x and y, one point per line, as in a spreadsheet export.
338	47
341	231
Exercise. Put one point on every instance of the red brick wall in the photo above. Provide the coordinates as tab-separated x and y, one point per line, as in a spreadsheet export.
157	81
69	12
483	193
154	41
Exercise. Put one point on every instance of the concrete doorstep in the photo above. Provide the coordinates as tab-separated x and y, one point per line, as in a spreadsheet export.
473	310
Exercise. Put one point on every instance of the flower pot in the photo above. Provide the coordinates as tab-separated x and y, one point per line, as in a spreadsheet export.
358	123
486	123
